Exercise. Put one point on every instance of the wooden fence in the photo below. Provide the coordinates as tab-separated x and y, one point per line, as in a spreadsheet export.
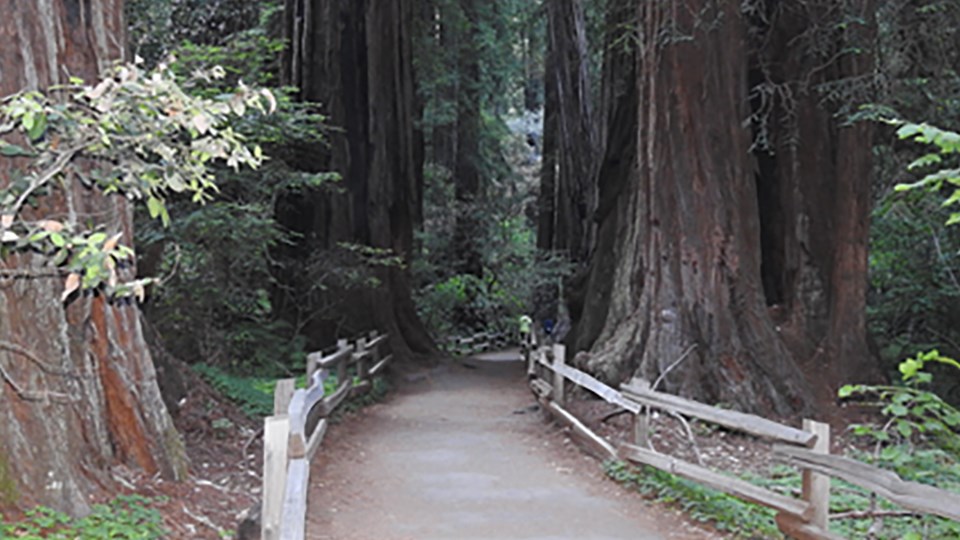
292	436
808	448
479	342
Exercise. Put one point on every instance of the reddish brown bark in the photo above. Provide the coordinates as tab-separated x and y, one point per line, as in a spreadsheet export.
568	190
79	392
814	183
687	302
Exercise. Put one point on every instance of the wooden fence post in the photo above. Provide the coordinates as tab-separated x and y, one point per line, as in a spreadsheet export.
342	365
282	395
361	350
641	427
816	487
559	359
276	431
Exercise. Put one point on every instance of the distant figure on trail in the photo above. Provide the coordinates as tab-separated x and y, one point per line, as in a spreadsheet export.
548	327
526	326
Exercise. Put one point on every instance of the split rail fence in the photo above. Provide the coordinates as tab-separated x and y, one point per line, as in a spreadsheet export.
292	436
479	342
802	518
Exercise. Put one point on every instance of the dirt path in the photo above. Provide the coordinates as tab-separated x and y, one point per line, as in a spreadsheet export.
462	454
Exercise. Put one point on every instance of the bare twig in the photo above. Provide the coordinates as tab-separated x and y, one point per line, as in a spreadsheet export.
246	445
34	395
28	273
690	437
204	520
868	514
30	355
671	367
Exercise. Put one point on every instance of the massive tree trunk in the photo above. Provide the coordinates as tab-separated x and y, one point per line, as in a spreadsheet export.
568	190
687	302
589	297
355	58
78	393
814	181
727	266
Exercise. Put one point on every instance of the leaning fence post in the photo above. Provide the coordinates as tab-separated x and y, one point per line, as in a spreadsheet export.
816	487
559	360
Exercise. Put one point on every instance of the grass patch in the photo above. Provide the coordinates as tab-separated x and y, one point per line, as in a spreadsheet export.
254	395
128	517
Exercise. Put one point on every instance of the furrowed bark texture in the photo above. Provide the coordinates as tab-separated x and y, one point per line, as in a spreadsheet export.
590	294
355	58
79	393
687	298
568	192
814	182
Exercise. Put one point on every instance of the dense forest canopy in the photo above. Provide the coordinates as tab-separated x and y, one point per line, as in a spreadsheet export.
699	192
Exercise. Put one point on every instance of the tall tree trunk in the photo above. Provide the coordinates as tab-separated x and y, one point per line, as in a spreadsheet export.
589	297
569	123
814	183
78	392
444	134
359	66
687	301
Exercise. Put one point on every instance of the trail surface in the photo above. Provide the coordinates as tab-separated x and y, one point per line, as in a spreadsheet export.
461	453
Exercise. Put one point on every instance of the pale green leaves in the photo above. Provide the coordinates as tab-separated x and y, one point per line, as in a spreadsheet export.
947	143
139	135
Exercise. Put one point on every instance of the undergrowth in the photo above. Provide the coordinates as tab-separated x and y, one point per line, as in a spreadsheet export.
748	520
128	517
254	395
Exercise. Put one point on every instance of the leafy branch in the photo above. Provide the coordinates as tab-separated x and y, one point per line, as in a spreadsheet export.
134	134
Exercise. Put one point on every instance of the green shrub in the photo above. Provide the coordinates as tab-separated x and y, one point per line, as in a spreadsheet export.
128	517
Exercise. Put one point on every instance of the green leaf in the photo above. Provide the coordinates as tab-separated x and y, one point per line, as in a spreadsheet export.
846	390
905	429
12	150
58	239
925	161
897	409
97	238
39	127
154	206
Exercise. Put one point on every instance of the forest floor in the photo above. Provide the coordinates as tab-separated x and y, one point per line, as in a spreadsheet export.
225	450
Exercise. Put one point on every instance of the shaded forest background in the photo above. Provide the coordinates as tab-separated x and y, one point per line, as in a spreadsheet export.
703	195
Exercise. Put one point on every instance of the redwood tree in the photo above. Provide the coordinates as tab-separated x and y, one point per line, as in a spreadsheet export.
354	57
568	192
78	393
696	263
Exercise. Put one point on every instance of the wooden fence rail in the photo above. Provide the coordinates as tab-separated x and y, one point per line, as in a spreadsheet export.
292	436
808	448
479	342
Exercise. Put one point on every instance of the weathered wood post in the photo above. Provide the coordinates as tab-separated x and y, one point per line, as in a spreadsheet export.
282	395
641	420
361	356
374	355
816	487
276	431
559	360
641	427
342	364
